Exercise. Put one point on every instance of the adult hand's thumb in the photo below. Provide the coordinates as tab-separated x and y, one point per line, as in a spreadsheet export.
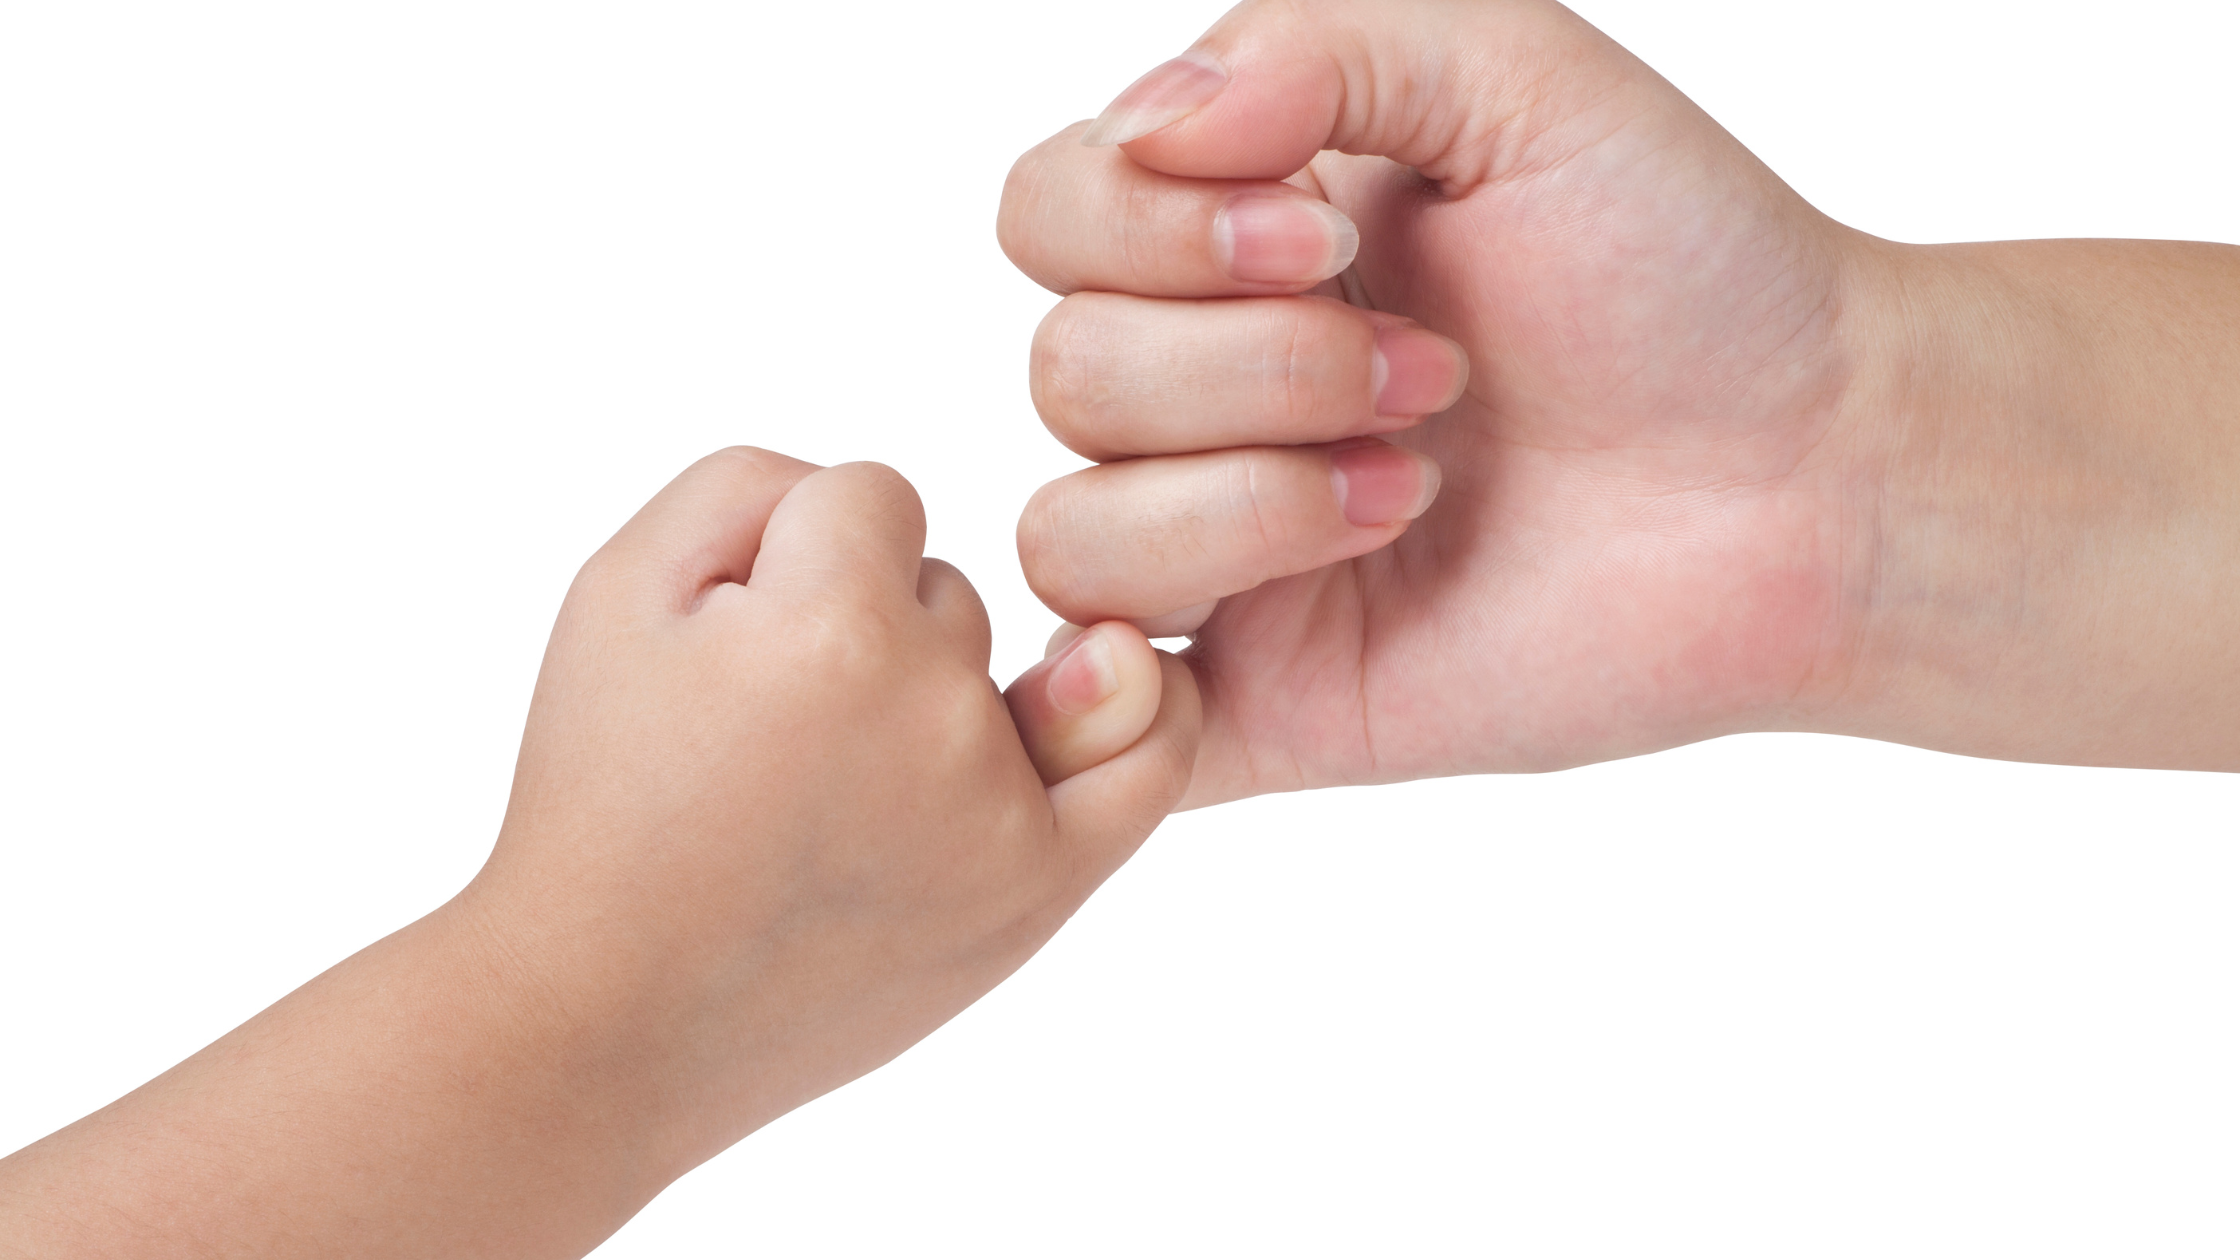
1453	88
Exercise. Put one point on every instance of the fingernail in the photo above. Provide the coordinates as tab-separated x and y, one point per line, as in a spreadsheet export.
1170	93
1267	239
1084	676
1378	483
1416	372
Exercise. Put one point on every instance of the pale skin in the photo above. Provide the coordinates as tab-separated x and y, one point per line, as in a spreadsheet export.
772	824
1718	463
1697	460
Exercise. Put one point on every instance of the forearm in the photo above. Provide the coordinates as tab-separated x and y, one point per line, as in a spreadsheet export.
410	1101
2047	511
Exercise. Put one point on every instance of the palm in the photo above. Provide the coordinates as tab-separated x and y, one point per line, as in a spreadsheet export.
1632	547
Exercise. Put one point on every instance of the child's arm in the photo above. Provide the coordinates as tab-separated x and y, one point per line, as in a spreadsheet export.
766	832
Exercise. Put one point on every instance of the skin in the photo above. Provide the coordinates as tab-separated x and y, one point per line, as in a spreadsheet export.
771	825
1720	464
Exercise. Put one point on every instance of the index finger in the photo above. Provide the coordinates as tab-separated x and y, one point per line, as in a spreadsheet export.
705	527
1076	218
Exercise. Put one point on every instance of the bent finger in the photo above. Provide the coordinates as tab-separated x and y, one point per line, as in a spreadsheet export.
859	527
1075	218
1148	537
703	528
1114	375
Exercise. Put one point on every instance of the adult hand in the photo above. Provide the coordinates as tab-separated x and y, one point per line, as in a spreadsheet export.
1721	463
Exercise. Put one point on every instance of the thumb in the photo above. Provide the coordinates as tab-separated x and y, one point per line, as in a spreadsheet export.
1105	812
1449	87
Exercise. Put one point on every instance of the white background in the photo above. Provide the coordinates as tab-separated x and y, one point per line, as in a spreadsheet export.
332	338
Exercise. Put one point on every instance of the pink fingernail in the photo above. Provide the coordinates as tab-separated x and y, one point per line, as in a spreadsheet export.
1378	484
1084	676
1417	372
1170	93
1264	239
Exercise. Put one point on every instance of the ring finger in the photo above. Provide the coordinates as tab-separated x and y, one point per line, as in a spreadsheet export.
1116	376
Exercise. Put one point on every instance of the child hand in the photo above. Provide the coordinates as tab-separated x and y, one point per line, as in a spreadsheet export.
764	747
771	825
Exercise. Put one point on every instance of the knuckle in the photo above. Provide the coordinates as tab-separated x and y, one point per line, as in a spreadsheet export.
598	576
1042	549
735	468
1293	365
1142	231
1037	536
1305	360
1066	373
750	456
834	636
882	478
624	576
1261	521
1012	233
1024	214
884	489
736	460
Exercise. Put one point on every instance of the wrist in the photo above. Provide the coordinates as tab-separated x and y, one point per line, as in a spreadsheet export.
2025	500
1932	501
600	999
